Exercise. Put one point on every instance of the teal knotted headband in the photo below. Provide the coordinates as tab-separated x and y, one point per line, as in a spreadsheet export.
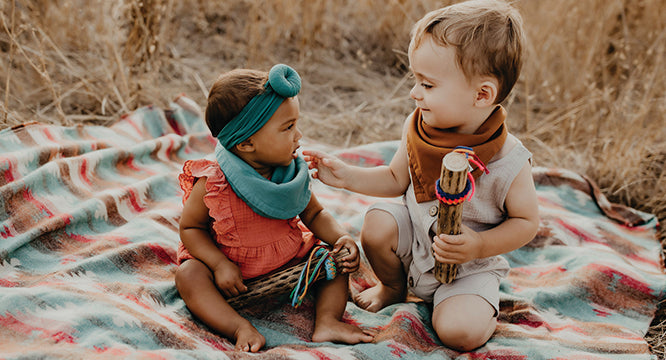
283	82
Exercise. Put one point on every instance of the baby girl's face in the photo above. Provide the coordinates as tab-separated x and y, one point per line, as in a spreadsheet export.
277	141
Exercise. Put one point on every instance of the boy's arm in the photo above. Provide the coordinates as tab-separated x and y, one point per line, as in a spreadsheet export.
518	229
324	227
385	181
523	217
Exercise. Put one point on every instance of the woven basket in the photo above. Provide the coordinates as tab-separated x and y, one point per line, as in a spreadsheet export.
277	283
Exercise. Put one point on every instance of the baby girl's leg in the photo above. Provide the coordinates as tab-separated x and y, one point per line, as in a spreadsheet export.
331	302
196	286
379	237
464	322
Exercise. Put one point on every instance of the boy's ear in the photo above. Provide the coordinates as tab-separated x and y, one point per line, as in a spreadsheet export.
486	93
245	146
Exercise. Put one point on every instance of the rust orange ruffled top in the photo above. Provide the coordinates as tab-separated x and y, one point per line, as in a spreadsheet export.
258	245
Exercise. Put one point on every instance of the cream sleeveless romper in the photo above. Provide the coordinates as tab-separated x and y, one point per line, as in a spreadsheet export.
417	224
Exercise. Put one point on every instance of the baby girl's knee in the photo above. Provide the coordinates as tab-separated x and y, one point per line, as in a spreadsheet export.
189	273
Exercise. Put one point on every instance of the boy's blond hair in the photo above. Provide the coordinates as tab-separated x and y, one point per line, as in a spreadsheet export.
487	35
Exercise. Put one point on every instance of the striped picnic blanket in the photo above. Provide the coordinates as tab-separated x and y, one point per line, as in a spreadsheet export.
89	228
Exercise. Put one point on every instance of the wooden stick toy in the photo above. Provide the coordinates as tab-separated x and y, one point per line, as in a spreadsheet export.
453	180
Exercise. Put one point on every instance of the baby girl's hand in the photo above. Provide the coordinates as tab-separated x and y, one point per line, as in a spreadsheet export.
348	263
228	279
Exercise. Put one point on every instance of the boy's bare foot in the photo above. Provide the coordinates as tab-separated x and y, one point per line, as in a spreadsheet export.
377	297
249	339
340	332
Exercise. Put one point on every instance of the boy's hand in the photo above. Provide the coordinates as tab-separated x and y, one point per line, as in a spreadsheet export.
329	169
457	249
349	263
228	279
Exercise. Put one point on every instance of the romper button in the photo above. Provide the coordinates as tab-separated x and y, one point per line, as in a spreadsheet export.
411	282
433	210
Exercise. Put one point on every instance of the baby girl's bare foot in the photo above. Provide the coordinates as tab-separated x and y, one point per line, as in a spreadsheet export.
377	297
249	339
340	332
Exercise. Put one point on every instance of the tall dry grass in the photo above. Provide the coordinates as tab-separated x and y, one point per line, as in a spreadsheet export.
590	97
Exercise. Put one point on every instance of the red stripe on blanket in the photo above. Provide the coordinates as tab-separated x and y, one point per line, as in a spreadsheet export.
7	232
83	172
133	198
9	173
28	196
167	256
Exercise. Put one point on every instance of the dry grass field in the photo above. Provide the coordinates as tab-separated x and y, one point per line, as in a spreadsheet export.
590	97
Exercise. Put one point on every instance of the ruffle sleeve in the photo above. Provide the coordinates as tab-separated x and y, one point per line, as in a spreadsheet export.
216	199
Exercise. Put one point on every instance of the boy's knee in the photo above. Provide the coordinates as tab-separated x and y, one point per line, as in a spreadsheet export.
378	227
462	336
463	329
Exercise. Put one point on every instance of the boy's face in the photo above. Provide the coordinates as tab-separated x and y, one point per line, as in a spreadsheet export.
277	141
442	92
